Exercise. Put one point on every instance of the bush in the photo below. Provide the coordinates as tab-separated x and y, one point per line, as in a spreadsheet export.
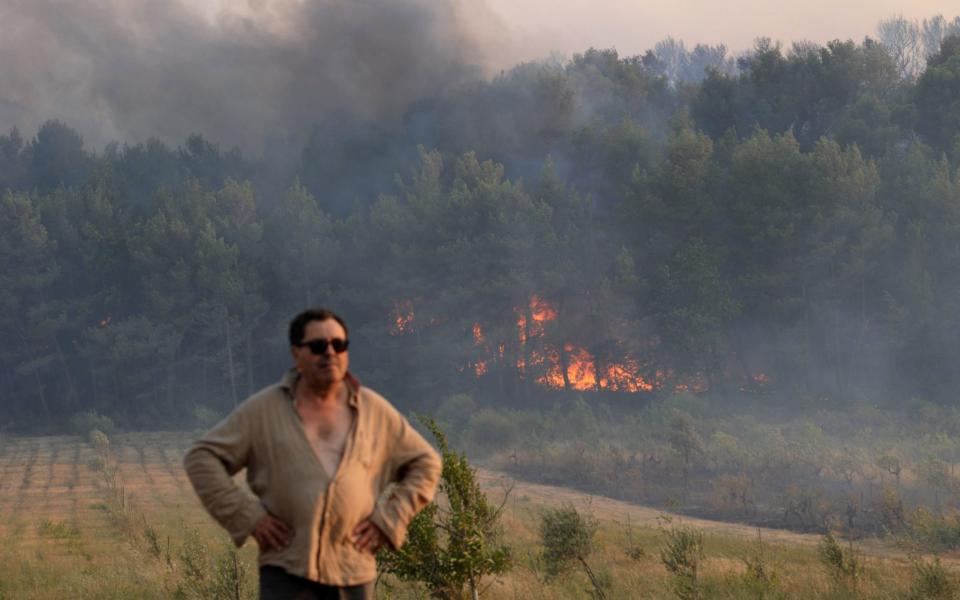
889	511
455	412
99	440
490	430
682	554
733	494
83	422
96	463
932	531
844	565
59	530
575	420
567	537
453	547
931	581
205	575
760	578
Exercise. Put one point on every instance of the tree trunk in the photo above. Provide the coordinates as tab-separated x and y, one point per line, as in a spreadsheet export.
236	577
593	578
808	378
71	385
565	366
596	372
42	396
474	592
230	365
740	354
248	350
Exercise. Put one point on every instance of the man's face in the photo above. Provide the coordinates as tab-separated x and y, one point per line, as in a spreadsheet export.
328	368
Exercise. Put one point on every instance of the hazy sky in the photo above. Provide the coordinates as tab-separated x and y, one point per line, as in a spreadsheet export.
633	26
241	71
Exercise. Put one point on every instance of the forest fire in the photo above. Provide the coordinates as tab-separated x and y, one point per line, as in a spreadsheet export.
402	317
581	366
566	367
758	381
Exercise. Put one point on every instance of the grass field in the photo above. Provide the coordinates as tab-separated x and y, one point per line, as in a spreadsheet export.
82	520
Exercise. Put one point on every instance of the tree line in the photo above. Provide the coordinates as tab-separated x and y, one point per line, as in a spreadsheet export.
790	222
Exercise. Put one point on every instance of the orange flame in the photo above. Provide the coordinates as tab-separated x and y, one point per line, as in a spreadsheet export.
623	377
697	384
106	320
541	310
546	361
581	369
402	318
581	373
759	380
478	338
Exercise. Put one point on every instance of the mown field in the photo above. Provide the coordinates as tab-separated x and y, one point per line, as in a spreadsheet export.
80	518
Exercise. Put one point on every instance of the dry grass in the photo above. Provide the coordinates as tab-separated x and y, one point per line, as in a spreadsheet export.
68	531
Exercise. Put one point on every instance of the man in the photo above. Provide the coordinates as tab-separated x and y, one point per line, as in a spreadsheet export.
337	471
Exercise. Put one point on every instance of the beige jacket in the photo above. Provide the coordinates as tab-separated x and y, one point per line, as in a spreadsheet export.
265	435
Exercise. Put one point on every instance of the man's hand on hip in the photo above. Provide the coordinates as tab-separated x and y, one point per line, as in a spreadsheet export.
272	534
367	537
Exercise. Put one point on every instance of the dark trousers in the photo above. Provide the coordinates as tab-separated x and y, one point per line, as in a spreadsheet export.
277	584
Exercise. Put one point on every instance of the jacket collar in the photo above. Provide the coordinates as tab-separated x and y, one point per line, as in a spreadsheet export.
290	378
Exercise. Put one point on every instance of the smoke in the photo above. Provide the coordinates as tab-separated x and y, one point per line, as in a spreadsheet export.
249	73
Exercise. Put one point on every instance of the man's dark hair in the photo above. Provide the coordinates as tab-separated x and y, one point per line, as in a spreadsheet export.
298	326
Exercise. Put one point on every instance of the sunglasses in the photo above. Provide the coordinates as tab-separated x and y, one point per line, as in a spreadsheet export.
319	347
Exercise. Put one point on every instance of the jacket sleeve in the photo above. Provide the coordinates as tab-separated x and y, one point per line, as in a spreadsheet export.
414	467
211	463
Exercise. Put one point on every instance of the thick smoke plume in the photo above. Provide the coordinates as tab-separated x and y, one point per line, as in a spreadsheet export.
242	73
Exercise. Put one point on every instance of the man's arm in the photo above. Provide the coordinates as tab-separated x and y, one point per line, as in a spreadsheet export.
211	463
415	467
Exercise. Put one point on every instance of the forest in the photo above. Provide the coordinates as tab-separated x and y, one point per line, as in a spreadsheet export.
785	223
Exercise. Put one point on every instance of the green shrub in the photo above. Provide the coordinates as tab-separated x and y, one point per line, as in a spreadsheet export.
844	564
99	440
682	554
454	547
490	430
889	512
83	422
574	420
931	581
932	531
96	463
455	411
760	578
152	538
58	530
205	575
568	536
